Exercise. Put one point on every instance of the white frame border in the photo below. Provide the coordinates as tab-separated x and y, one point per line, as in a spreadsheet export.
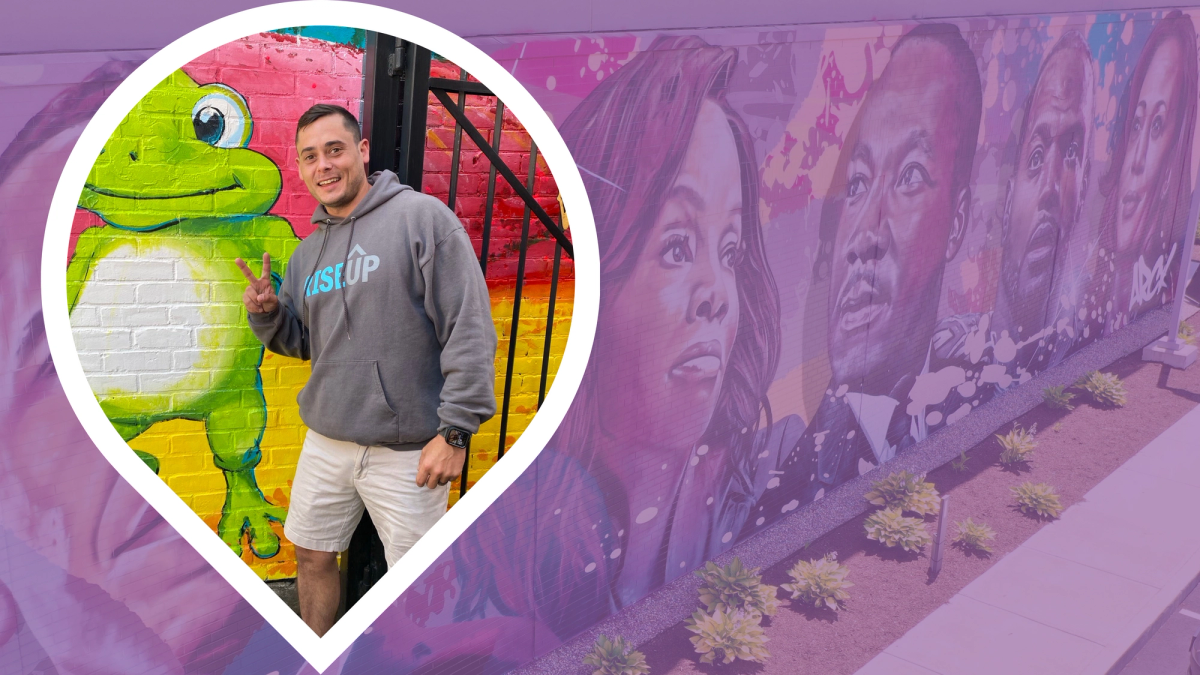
319	652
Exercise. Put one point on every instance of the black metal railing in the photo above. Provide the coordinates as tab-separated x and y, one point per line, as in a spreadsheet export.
396	88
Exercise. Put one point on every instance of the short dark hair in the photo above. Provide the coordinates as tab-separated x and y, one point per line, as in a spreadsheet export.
968	99
325	110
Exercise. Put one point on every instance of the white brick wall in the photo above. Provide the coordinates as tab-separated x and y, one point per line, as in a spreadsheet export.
141	318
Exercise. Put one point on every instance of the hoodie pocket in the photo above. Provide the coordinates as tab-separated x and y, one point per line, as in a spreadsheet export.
345	400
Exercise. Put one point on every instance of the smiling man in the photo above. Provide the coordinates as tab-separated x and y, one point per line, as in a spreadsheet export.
897	212
388	301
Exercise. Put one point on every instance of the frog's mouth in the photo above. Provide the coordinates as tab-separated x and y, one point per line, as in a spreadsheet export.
237	185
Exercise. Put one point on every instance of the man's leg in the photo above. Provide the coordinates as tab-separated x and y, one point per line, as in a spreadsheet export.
324	510
401	511
319	584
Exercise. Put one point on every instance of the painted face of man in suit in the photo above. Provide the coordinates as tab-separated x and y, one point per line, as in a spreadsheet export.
1049	179
903	216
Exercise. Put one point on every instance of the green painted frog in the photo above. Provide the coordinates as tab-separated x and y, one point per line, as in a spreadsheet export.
155	295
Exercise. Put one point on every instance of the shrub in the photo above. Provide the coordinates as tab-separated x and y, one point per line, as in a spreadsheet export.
1018	445
734	587
974	535
892	529
1106	388
960	464
1058	397
905	491
821	583
615	657
1037	499
728	635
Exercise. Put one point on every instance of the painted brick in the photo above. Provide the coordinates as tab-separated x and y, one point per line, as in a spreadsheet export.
347	86
110	294
85	317
152	338
137	361
240	54
252	81
126	317
111	382
171	293
101	340
297	58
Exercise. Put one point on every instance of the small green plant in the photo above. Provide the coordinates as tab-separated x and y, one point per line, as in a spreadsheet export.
616	657
1037	499
821	583
905	491
1058	397
728	636
1187	333
1106	388
973	535
1057	427
960	464
735	587
890	528
1018	445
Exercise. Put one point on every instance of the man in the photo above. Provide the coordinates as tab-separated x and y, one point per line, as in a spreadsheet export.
1035	320
388	300
898	211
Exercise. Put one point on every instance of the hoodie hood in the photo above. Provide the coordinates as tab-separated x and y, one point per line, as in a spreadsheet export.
384	185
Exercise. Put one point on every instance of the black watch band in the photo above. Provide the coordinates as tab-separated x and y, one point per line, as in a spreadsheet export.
458	438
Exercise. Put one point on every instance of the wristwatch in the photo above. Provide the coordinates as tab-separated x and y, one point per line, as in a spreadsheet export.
459	438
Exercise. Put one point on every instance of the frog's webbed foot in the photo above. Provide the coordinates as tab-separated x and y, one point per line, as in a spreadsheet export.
247	511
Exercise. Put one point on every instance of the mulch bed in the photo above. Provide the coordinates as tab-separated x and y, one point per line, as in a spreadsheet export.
892	590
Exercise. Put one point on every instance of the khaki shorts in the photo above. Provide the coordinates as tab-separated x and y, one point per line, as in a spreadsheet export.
336	479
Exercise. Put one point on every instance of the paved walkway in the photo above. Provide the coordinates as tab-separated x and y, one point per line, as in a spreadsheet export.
1166	652
1085	590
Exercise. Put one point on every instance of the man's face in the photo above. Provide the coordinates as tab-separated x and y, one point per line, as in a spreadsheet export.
1048	182
898	213
331	163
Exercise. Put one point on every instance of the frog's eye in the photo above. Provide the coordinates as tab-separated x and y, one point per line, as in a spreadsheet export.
222	119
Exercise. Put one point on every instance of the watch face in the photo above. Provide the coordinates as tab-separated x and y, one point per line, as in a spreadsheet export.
457	437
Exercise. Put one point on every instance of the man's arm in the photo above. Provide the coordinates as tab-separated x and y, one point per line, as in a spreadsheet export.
458	304
273	316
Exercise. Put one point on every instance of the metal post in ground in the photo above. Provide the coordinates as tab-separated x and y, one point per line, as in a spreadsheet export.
939	545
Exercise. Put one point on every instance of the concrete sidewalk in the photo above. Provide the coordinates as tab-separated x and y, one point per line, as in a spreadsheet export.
1081	594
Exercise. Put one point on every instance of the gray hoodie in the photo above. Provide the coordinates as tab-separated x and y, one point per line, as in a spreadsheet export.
391	306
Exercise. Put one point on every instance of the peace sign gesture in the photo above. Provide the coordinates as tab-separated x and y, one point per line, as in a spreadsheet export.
260	295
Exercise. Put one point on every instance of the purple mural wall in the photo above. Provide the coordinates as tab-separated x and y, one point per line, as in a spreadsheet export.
820	245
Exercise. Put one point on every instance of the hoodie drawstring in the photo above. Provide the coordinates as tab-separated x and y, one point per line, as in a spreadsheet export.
346	305
310	280
342	280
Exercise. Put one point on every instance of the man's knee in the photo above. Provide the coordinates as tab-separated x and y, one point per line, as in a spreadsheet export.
316	561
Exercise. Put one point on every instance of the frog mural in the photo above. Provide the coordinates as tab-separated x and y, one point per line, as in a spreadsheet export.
182	196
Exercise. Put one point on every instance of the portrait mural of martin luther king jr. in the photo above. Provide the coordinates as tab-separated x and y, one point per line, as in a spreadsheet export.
1034	323
902	183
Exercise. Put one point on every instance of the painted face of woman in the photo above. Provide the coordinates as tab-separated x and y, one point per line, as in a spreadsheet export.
1150	145
674	320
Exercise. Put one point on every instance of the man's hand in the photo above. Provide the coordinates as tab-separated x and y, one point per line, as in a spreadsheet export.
260	295
440	463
